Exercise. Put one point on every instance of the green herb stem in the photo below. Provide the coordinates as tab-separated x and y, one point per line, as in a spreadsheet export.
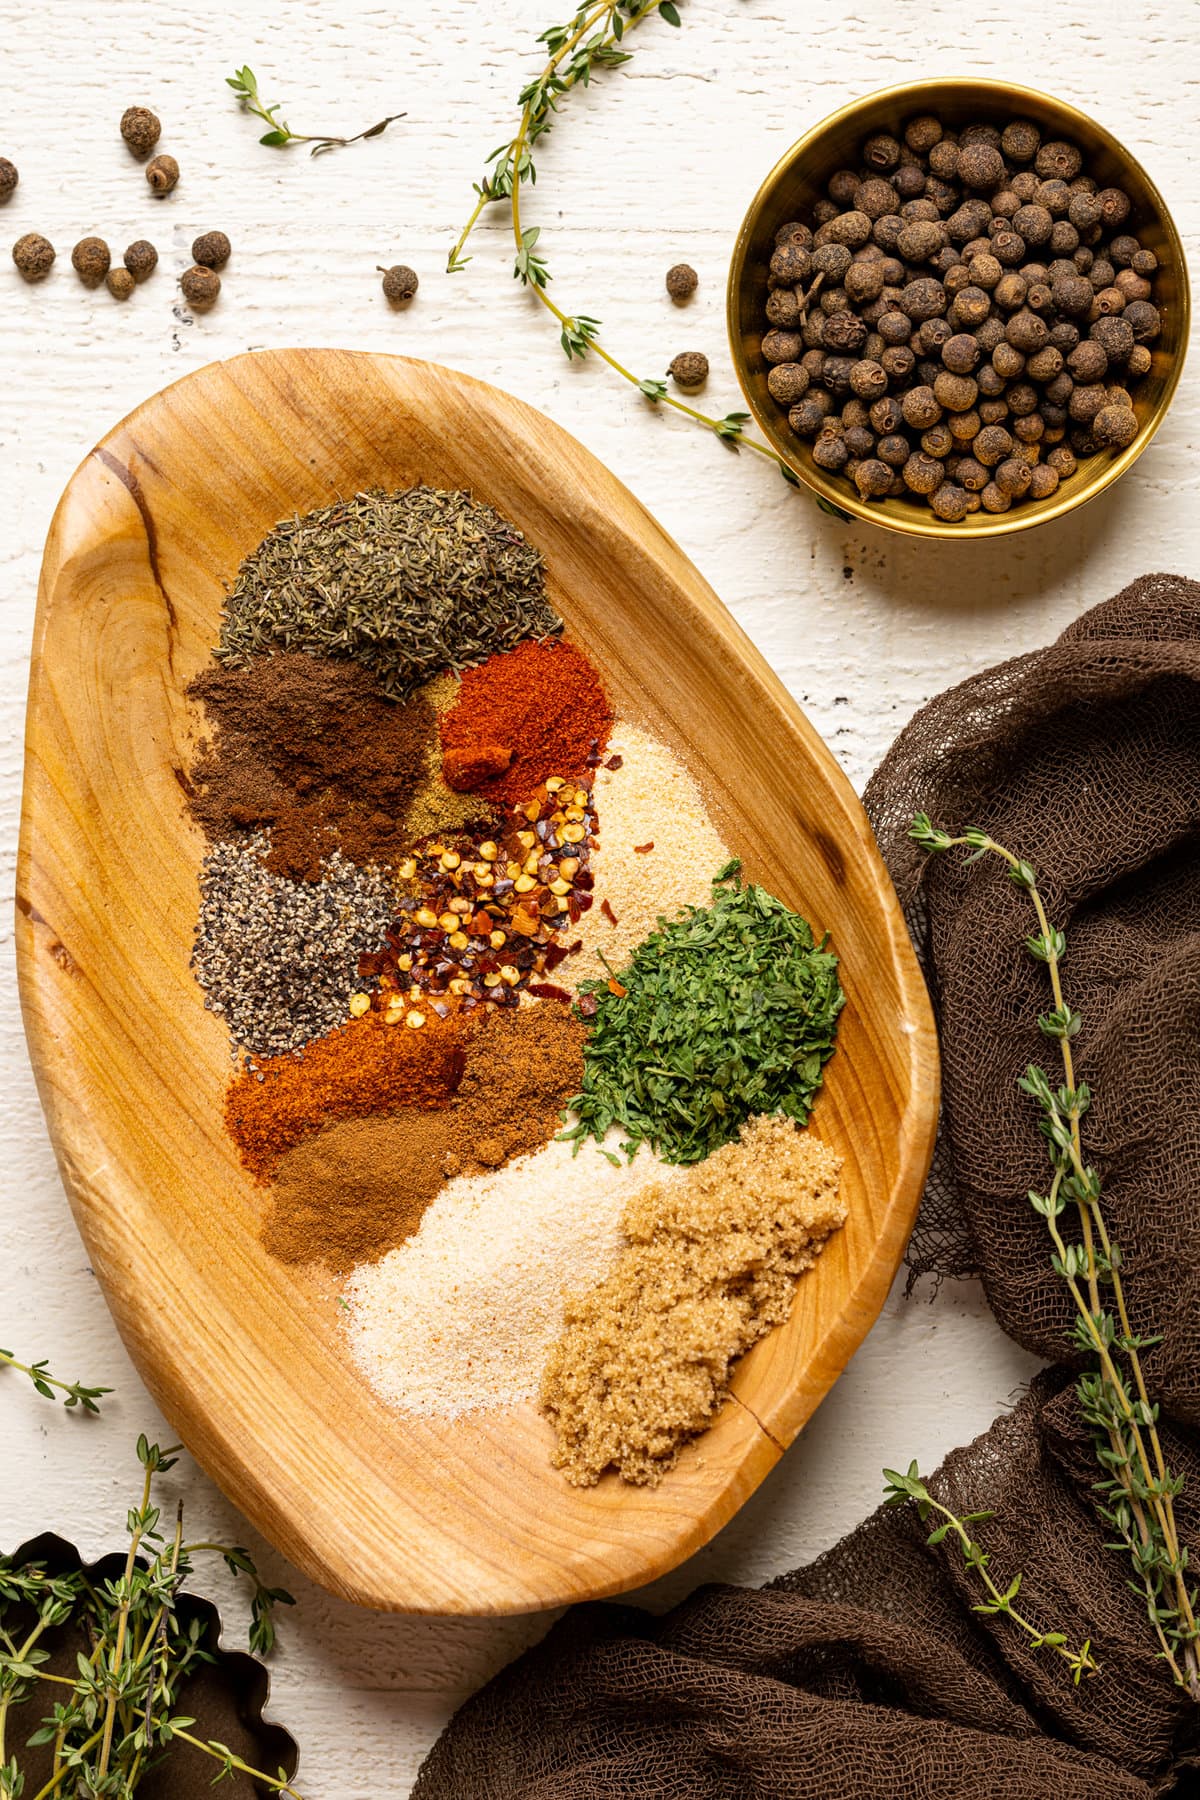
75	1393
116	1718
902	1489
226	1757
1116	1404
244	83
591	42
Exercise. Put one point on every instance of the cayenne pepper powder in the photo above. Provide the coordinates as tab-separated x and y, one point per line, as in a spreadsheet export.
525	714
364	1067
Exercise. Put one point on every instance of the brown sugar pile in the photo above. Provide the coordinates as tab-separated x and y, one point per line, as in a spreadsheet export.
311	748
366	1066
359	1187
711	1265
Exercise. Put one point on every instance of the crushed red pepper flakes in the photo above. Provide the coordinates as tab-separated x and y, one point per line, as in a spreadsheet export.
643	849
610	915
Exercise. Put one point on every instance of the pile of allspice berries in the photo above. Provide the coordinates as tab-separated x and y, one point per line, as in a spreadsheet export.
962	319
91	259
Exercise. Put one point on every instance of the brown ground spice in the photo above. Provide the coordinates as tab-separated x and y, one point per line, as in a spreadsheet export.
365	1067
311	748
711	1264
359	1187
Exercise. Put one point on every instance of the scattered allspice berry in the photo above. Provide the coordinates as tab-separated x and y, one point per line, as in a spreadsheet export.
8	179
200	287
211	250
689	369
141	259
399	282
91	260
120	283
682	281
141	129
33	255
162	172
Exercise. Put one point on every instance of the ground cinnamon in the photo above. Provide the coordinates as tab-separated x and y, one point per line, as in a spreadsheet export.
359	1187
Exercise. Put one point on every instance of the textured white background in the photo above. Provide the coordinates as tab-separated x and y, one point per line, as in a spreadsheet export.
654	166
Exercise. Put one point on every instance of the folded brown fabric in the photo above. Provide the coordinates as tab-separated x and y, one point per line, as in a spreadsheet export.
868	1674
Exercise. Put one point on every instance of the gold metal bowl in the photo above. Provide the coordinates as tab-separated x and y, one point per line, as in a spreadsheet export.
799	178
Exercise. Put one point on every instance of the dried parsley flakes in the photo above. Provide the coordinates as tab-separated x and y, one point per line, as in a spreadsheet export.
729	1011
407	583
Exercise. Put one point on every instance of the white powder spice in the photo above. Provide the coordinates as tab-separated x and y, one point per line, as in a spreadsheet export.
462	1317
658	851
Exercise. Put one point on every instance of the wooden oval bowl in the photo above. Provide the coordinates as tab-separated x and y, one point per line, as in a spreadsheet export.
246	1358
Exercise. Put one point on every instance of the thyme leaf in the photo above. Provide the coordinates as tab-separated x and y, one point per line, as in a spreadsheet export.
1136	1494
591	42
244	83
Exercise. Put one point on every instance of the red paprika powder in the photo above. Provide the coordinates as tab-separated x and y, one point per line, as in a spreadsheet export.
540	706
366	1066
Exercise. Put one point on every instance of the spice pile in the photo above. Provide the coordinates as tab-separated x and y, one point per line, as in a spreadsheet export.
497	999
963	317
709	1267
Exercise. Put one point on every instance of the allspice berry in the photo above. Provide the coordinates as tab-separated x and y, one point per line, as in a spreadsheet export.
91	260
8	179
200	287
162	172
1115	427
211	250
682	281
399	282
120	283
33	255
141	259
141	129
689	369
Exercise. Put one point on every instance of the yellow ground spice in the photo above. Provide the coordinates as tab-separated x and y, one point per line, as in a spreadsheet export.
711	1265
435	807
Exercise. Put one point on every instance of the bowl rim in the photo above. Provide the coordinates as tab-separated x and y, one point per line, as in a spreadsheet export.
833	495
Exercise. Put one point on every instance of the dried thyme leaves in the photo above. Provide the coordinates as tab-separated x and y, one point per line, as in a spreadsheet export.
728	1011
407	583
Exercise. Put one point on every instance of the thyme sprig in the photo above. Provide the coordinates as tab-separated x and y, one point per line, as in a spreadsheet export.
902	1490
244	83
1136	1495
74	1393
593	41
114	1717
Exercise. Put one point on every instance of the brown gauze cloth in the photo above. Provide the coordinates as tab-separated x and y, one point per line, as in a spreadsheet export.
868	1676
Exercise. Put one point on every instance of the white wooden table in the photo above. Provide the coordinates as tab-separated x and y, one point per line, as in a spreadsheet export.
655	166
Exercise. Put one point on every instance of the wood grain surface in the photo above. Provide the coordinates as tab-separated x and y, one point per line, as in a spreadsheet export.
246	1360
